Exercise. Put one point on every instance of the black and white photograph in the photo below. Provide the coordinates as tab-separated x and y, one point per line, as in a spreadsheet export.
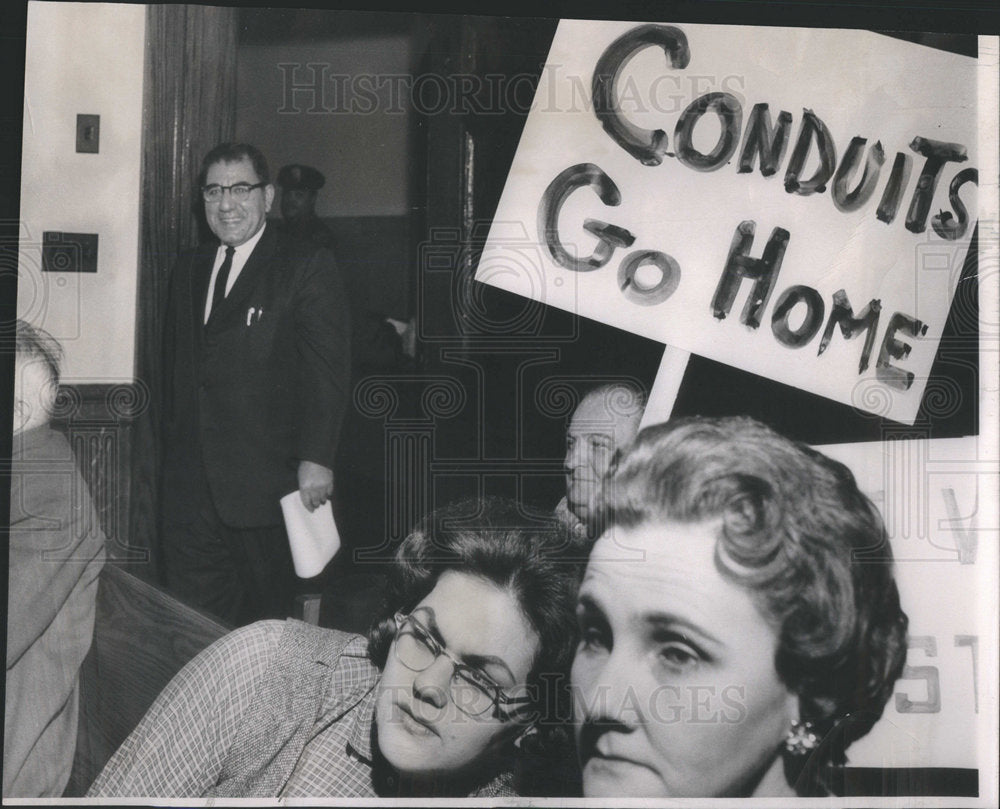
510	405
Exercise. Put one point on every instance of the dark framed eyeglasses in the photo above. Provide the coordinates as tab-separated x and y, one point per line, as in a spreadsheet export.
472	690
240	192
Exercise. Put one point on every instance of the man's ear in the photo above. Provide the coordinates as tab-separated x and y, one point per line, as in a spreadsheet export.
268	197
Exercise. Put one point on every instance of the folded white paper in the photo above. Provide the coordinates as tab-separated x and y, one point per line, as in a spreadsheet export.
312	535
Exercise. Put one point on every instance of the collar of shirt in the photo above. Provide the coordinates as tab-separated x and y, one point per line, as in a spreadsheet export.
355	689
360	738
569	519
240	256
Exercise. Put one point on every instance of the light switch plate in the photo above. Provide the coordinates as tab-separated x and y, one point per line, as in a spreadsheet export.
88	133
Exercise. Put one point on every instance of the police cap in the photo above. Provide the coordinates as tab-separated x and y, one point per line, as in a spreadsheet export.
296	176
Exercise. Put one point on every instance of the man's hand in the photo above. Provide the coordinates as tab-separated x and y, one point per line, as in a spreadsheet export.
315	484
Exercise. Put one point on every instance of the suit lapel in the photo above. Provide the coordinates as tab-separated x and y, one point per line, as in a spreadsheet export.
201	274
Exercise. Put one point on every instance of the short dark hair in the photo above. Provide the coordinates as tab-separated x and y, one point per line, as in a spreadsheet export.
795	531
491	538
36	343
234	153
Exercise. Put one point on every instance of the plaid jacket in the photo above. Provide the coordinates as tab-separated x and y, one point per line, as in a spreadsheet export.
272	709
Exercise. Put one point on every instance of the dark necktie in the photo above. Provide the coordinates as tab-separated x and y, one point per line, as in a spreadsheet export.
222	279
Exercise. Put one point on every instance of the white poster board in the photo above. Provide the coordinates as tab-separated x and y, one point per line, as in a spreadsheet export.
640	175
933	495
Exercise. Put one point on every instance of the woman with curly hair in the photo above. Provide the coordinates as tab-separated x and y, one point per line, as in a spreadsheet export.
740	624
454	676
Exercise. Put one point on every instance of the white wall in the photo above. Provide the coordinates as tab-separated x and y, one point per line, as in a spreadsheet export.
363	154
83	58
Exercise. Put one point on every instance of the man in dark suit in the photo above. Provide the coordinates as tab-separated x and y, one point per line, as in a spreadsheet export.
257	370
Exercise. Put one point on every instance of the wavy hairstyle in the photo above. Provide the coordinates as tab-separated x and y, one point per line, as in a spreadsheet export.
491	538
799	535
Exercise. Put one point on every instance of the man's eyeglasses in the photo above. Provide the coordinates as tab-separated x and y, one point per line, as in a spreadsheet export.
472	690
240	192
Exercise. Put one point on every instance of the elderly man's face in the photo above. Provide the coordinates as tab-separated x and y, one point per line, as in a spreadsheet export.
594	433
236	222
297	202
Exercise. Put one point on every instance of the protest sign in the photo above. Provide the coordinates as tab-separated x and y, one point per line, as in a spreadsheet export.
797	203
932	494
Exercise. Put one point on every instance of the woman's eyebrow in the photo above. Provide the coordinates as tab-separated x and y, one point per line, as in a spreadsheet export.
589	604
430	622
478	661
664	621
656	621
472	660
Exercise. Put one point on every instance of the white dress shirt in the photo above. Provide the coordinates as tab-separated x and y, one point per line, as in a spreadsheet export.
240	257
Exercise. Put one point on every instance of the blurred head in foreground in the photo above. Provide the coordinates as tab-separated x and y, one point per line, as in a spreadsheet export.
732	630
36	376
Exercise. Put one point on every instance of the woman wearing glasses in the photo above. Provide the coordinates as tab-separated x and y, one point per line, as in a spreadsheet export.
435	703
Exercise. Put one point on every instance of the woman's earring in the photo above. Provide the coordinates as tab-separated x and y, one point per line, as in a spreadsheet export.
800	738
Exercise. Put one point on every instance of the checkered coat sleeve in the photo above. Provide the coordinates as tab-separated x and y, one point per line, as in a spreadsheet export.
179	747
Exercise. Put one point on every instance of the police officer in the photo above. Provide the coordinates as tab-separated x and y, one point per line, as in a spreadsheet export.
299	185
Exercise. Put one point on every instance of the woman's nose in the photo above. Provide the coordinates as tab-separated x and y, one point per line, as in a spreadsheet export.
611	692
432	684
